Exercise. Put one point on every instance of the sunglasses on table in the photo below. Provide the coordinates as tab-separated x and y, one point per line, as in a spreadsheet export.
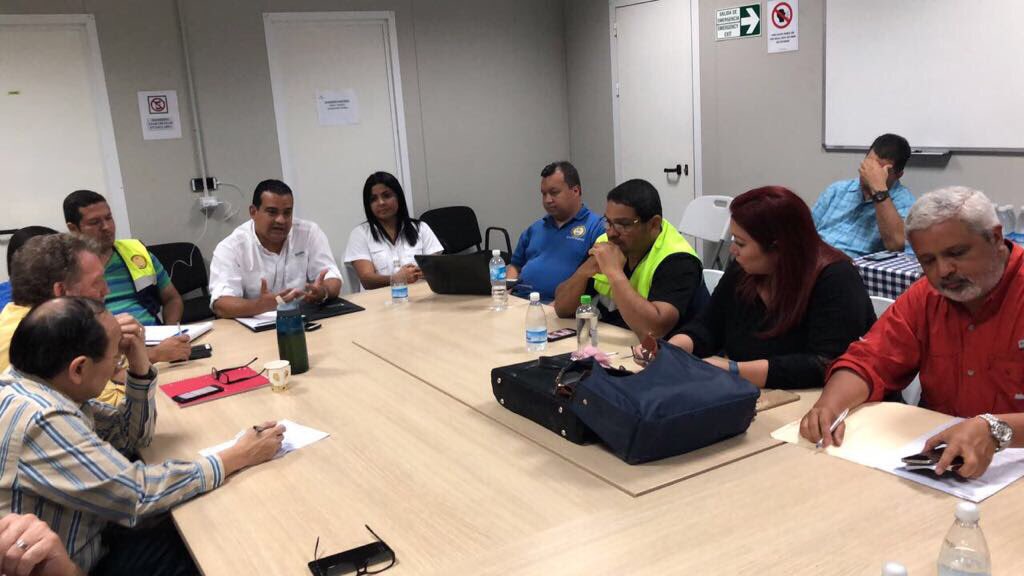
224	377
372	558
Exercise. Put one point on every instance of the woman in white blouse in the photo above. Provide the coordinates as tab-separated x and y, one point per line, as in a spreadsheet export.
388	234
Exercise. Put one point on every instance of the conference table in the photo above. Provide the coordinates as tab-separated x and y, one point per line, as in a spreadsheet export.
421	452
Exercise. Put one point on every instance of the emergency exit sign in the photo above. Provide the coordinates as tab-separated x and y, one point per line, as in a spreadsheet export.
738	22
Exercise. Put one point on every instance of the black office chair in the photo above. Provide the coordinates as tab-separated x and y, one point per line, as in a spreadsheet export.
458	229
176	257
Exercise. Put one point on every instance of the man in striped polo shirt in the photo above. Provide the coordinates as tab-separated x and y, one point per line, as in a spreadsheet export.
138	283
63	451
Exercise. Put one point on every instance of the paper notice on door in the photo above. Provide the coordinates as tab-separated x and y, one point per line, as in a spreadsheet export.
337	107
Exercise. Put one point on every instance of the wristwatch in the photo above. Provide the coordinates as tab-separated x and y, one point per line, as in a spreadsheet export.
1001	431
880	196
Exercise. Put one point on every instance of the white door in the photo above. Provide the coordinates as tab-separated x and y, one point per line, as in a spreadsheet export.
57	133
652	73
326	155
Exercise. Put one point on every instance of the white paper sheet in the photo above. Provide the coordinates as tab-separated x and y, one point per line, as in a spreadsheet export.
157	334
295	436
259	320
337	108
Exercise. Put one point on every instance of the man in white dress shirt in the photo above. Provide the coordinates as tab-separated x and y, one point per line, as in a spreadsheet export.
271	255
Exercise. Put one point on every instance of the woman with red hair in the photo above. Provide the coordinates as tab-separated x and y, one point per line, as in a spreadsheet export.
788	303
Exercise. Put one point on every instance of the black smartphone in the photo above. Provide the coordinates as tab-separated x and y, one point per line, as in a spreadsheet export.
561	334
368	559
198	351
928	460
186	397
881	256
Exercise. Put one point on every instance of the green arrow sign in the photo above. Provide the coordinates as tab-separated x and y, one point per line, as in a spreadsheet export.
739	22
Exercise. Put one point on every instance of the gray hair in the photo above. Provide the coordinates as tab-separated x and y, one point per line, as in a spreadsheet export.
970	206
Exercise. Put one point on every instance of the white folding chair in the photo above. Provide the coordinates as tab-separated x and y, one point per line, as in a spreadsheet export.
350	279
911	394
707	218
711	278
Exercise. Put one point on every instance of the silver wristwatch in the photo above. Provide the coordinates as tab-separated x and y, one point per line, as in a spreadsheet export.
1001	431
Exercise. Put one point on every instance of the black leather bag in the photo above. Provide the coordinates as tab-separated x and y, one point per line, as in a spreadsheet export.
529	389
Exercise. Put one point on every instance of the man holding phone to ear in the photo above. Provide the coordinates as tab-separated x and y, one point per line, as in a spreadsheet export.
865	215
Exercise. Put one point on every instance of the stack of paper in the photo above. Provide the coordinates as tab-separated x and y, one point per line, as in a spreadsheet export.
880	435
258	321
157	334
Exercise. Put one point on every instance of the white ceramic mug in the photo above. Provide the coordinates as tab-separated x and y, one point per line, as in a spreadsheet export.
278	372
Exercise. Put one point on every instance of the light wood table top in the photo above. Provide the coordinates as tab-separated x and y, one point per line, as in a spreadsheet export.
455	352
421	452
433	478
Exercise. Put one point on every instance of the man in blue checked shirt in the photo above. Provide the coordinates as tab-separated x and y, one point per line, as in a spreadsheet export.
865	215
64	452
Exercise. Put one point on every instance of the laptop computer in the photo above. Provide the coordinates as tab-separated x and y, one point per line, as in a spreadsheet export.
456	273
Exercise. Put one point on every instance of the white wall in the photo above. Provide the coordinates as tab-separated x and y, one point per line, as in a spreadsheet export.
483	88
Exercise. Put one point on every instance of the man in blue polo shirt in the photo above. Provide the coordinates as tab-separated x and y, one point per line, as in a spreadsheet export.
551	249
865	215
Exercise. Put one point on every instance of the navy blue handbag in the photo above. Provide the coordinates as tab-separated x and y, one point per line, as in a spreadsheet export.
678	403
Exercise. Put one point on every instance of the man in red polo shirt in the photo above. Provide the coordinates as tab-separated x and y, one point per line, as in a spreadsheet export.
962	329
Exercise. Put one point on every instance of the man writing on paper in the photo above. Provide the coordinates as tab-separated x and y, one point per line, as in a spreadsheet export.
272	255
138	284
64	451
962	328
551	249
645	274
57	265
865	215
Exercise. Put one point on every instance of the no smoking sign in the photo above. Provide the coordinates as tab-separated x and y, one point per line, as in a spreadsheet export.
783	30
158	104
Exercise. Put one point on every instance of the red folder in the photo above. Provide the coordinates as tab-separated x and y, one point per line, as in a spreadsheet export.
236	376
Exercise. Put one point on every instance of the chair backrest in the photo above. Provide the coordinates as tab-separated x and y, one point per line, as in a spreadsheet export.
184	263
351	279
711	278
707	218
880	304
456	227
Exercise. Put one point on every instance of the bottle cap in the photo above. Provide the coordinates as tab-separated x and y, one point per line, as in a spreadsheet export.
495	253
967	512
585	299
893	569
534	296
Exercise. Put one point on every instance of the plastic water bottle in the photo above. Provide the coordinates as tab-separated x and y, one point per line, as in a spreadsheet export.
536	325
291	336
499	292
964	551
399	290
894	569
586	324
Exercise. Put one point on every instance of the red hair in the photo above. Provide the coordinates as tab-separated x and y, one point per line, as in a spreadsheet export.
781	223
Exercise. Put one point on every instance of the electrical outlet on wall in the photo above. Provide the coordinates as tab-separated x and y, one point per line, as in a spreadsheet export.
211	184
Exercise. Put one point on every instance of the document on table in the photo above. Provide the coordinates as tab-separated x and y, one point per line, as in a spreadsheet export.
877	437
295	436
259	320
157	334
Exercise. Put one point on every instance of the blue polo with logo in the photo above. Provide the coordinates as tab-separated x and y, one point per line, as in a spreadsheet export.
547	254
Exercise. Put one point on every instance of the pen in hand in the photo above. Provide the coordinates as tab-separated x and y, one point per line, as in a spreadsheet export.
842	416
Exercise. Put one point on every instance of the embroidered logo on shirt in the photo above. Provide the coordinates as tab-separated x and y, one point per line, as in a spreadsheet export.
579	231
139	262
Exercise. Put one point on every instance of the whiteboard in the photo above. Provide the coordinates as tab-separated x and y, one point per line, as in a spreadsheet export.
945	74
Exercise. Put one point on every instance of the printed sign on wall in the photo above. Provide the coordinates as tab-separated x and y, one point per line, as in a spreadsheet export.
159	112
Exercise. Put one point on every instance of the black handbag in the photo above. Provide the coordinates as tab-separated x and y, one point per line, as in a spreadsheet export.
677	404
529	389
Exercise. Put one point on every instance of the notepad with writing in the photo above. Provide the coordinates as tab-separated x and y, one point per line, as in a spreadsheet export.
243	380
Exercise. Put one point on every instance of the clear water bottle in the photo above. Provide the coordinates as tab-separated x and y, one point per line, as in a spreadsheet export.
399	290
964	551
536	325
586	324
894	569
291	336
499	292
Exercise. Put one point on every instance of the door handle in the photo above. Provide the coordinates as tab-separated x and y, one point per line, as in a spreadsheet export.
679	170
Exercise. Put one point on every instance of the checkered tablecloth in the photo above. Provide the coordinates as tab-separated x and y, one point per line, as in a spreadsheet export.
888	278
